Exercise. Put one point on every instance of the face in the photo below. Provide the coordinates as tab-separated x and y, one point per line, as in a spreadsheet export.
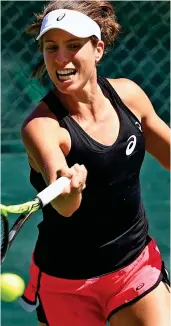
70	61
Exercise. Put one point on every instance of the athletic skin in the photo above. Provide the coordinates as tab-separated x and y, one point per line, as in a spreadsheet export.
103	252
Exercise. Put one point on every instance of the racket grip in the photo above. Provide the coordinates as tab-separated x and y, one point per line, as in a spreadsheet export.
53	190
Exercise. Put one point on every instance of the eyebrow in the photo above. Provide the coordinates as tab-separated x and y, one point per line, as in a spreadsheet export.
68	41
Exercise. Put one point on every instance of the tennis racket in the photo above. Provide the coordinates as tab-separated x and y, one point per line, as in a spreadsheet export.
26	210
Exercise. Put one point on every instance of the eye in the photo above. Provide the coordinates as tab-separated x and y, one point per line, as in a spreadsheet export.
51	48
74	46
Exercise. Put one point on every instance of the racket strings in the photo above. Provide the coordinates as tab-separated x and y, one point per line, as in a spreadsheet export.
2	232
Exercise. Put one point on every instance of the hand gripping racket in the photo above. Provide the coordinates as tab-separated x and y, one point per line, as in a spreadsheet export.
26	210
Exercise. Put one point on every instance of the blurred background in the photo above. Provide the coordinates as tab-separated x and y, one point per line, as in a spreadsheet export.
142	53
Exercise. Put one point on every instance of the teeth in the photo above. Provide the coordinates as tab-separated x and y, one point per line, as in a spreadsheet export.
64	78
65	72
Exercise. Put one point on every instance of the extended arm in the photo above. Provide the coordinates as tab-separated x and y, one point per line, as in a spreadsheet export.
43	139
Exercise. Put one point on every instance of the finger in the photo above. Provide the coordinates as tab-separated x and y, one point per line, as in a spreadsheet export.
79	174
76	181
81	170
65	172
76	167
85	172
78	184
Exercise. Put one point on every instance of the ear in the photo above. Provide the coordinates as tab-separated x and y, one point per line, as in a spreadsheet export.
99	51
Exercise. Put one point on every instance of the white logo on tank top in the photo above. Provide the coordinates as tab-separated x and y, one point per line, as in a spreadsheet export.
139	126
131	146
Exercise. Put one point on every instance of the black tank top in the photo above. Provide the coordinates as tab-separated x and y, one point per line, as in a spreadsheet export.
109	230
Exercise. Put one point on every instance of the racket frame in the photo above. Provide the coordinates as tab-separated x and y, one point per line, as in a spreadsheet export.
43	198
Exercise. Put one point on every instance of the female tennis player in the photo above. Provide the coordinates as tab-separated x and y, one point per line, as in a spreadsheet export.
94	260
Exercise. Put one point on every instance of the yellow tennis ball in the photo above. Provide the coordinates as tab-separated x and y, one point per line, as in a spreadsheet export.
12	287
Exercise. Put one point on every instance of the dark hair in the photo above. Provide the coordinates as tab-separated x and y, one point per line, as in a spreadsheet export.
102	12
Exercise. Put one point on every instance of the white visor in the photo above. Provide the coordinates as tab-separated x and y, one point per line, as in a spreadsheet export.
71	21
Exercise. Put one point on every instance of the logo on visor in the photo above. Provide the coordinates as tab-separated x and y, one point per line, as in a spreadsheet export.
60	17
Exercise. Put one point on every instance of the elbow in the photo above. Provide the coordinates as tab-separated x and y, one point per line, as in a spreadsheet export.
65	212
67	205
167	167
164	161
68	214
166	164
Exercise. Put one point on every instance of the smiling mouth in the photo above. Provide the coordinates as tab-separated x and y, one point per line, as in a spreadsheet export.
65	74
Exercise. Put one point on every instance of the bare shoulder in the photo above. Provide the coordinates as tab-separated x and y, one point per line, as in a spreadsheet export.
156	131
125	87
40	114
41	123
40	129
133	96
119	83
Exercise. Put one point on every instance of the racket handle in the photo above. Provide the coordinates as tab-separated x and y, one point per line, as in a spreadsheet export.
53	190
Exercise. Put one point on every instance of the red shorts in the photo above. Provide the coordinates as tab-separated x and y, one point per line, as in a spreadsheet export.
91	302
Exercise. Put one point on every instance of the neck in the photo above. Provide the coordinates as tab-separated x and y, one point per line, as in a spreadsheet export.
84	103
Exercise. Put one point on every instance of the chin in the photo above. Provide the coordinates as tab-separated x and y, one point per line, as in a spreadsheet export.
69	89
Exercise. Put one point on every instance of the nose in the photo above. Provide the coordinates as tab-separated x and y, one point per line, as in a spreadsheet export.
61	57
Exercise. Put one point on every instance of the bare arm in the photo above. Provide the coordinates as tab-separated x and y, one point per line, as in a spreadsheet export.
156	131
43	139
